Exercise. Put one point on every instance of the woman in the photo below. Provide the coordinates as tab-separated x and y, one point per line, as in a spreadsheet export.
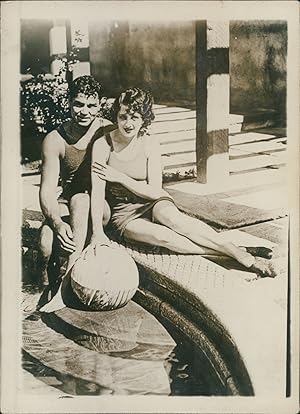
126	165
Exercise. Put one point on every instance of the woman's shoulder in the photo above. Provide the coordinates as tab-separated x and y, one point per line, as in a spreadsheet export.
151	144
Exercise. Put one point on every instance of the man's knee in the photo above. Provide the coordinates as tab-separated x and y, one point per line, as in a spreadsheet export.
79	210
46	241
80	201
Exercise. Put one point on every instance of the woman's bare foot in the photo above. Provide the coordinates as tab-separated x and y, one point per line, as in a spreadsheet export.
260	251
263	268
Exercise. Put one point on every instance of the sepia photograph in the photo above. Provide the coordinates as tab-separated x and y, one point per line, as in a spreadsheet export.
150	207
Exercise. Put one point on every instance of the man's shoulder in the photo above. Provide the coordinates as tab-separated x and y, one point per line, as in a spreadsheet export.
53	141
106	122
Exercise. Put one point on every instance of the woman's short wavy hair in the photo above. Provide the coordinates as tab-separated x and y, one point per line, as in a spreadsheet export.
86	85
137	100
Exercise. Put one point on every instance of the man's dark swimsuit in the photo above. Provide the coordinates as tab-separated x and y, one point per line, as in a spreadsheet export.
75	166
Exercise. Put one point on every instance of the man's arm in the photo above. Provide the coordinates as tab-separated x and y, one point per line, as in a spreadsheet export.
48	190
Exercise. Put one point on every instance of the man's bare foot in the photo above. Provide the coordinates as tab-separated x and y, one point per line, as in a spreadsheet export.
263	268
44	277
56	303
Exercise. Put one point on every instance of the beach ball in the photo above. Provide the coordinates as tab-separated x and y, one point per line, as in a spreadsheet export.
104	278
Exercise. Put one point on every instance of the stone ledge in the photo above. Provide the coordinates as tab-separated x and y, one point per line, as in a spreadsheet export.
202	299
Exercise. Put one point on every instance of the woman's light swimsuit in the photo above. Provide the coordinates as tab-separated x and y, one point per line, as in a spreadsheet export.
125	205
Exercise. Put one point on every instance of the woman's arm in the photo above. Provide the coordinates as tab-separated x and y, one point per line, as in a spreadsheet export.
100	153
151	190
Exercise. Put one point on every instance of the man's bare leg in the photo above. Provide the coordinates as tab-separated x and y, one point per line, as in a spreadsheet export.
79	213
45	252
46	247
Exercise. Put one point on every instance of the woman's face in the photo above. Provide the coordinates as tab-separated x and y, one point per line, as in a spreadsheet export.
129	123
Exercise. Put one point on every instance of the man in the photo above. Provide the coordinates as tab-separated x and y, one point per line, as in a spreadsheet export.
66	153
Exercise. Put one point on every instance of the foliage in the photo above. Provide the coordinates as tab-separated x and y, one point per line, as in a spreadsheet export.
44	105
179	175
44	100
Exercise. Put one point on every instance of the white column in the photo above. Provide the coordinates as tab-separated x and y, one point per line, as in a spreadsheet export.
58	44
80	40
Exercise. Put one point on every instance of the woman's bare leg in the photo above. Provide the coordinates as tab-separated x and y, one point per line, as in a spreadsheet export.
200	233
157	235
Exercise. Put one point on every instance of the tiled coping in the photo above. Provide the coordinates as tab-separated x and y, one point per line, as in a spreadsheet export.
236	323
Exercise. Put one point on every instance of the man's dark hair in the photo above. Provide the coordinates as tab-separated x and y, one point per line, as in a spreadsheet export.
86	85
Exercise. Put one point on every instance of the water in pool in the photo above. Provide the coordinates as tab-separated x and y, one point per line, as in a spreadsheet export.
75	361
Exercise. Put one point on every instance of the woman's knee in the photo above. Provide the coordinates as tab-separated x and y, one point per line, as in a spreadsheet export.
164	237
106	213
159	235
167	213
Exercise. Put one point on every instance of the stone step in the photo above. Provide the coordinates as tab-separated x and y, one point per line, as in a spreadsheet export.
185	121
170	112
275	160
254	147
175	136
172	126
245	162
179	160
259	146
174	116
252	136
178	147
172	136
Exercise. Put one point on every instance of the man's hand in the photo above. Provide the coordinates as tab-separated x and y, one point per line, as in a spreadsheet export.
95	125
65	235
107	173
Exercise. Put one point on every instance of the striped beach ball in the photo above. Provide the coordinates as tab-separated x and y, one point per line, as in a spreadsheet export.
104	278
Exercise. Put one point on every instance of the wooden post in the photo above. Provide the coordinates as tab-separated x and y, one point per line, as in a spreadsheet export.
212	100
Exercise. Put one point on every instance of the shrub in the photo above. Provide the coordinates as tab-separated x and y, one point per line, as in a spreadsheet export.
44	105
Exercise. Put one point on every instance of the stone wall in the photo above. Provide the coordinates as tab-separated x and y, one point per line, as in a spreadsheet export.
156	56
161	58
258	65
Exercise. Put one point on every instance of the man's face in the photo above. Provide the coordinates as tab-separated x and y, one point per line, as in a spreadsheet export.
84	109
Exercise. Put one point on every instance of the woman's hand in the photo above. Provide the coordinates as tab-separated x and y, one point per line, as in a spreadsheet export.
107	173
99	239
